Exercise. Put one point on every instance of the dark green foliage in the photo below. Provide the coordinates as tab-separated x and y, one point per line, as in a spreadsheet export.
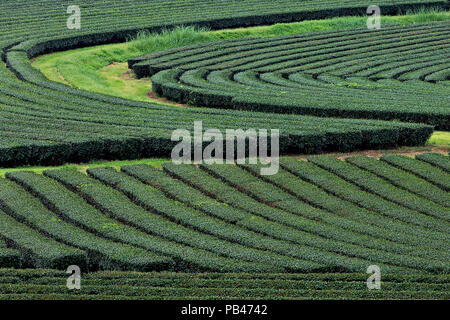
386	190
50	284
438	160
321	222
365	219
9	258
347	190
223	256
293	226
102	253
406	180
306	219
35	249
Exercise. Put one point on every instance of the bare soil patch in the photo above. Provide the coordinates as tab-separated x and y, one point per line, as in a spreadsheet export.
151	95
404	151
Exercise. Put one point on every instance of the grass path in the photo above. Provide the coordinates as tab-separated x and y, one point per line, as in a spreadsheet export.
440	138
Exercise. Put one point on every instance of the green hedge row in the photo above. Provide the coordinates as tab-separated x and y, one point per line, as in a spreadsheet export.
262	54
45	126
167	84
9	258
201	222
435	159
69	205
342	232
101	252
423	170
225	218
155	200
142	293
348	191
50	123
33	248
238	75
314	282
198	249
297	229
395	230
38	284
44	276
101	26
434	214
229	212
184	193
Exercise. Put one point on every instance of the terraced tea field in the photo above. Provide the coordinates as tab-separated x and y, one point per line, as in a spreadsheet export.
44	122
387	74
324	215
141	231
46	284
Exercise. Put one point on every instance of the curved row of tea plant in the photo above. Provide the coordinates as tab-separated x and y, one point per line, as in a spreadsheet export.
43	122
51	284
26	18
227	218
396	73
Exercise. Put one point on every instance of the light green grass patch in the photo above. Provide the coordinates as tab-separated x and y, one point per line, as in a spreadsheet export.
119	79
440	138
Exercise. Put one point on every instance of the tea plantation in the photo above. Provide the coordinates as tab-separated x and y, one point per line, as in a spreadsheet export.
226	231
44	122
320	216
396	73
49	284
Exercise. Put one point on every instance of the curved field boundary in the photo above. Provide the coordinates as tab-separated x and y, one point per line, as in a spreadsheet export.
315	216
49	123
